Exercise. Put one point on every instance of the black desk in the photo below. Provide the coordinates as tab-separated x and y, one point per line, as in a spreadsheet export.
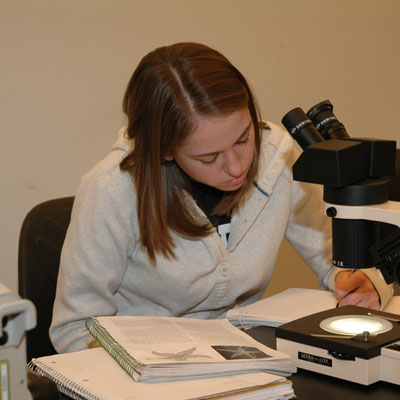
312	386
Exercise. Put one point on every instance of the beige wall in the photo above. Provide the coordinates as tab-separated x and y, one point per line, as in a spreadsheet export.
64	66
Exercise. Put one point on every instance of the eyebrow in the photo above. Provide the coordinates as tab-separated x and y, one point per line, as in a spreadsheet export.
245	131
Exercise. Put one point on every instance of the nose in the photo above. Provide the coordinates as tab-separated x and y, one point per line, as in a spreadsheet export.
232	164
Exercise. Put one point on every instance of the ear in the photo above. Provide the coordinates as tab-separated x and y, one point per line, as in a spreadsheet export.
168	158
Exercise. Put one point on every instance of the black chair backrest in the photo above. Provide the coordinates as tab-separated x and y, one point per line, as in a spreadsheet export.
41	238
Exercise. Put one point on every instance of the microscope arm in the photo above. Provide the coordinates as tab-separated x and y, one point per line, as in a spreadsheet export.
388	212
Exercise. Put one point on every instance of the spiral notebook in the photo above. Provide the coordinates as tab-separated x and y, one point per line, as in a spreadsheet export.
94	375
170	348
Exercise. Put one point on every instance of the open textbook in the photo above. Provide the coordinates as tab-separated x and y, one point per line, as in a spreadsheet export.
289	305
93	375
171	348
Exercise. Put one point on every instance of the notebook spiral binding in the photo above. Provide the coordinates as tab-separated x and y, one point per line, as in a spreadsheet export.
118	352
64	384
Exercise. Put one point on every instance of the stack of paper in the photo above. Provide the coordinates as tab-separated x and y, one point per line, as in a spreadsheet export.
167	357
93	375
289	305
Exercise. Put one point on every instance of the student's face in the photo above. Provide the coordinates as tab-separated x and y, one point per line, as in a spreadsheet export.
220	151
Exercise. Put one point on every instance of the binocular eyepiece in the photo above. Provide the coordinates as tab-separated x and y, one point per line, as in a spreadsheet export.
319	124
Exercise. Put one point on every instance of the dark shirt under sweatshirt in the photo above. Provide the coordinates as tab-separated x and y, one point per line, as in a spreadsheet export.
208	198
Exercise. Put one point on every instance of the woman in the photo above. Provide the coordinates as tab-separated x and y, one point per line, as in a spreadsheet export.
186	215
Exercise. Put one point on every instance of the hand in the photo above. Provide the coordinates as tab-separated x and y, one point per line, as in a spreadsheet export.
354	288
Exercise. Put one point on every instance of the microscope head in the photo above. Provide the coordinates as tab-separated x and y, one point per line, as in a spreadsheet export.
353	171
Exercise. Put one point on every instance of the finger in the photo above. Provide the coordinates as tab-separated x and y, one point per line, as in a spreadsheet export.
351	299
361	299
340	295
371	300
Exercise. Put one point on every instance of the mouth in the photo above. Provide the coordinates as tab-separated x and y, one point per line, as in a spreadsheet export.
237	181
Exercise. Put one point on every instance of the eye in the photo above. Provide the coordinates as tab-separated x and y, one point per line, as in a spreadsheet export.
244	141
210	161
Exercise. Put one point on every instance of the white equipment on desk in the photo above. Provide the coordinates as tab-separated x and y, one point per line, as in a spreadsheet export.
17	316
347	343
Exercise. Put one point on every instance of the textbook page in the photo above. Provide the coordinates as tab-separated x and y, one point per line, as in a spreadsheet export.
176	348
93	375
177	340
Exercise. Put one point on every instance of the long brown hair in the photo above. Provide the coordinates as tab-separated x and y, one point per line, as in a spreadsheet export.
169	90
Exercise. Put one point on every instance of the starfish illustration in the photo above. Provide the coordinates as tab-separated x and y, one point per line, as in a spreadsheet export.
181	355
231	352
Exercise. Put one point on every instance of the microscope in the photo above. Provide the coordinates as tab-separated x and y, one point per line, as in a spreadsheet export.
359	180
361	192
17	316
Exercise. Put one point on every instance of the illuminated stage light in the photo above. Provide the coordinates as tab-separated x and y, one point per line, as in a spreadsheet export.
355	324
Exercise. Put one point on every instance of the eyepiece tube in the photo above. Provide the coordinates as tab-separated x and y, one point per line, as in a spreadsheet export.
326	122
301	128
